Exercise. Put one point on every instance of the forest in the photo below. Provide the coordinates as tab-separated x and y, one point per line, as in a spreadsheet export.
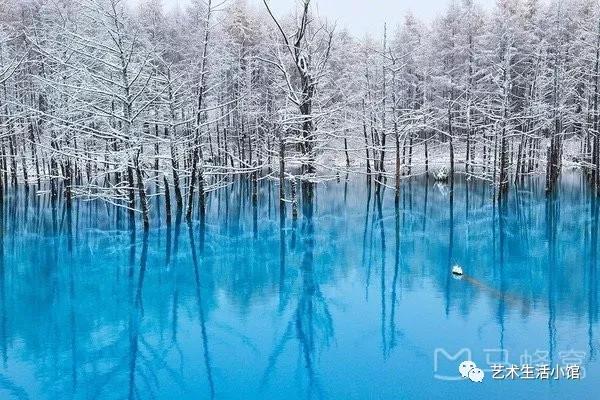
121	102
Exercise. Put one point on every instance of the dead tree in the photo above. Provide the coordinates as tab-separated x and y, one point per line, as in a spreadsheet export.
309	68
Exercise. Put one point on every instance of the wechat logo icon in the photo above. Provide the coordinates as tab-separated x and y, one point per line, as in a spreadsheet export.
469	370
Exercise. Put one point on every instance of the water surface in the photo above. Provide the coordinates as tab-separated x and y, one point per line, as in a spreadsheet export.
349	301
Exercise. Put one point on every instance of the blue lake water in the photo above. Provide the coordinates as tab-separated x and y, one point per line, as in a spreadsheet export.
353	300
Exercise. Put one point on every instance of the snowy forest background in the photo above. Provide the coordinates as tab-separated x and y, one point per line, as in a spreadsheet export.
105	99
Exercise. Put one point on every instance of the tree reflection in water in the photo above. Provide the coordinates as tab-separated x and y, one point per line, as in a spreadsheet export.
252	302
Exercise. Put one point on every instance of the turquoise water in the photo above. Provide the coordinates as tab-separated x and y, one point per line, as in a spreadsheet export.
350	301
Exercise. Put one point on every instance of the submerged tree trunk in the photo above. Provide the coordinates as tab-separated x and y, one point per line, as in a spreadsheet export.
281	173
364	124
596	123
197	155
141	191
